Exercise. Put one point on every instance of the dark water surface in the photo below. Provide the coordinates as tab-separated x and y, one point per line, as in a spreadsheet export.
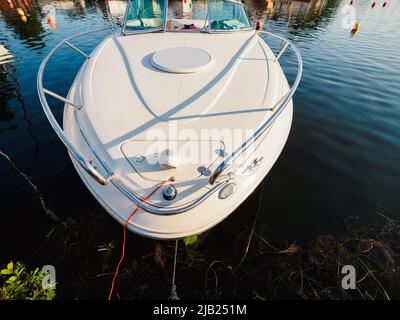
342	157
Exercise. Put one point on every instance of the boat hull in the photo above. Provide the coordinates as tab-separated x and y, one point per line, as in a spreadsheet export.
118	206
200	218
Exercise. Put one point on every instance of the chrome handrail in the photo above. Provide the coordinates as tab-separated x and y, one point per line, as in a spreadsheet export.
148	207
84	163
267	124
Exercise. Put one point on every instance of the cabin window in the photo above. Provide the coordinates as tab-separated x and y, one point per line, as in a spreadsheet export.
228	15
145	15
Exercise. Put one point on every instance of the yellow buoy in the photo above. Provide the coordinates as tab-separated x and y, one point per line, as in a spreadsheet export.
356	27
24	18
20	12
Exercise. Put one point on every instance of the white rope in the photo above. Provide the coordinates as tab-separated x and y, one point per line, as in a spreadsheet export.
174	294
259	208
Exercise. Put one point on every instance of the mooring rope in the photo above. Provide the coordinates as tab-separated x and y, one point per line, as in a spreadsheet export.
36	190
124	239
174	294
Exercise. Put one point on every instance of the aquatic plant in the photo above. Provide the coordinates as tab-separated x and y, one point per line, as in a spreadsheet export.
252	267
17	283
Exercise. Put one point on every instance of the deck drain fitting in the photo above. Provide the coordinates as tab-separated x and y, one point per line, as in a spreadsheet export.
170	193
204	171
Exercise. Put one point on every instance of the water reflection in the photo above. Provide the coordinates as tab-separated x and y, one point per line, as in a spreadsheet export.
289	7
7	88
344	143
116	8
293	13
24	18
10	90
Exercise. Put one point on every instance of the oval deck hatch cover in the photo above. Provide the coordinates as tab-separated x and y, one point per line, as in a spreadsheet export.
182	60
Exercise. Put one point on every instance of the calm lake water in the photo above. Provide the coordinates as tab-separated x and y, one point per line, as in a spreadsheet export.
342	157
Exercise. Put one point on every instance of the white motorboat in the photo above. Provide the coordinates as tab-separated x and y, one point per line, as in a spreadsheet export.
181	111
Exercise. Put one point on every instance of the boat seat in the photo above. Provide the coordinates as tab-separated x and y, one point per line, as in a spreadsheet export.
179	24
227	24
152	22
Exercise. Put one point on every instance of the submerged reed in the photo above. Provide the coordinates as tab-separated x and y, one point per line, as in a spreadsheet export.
257	270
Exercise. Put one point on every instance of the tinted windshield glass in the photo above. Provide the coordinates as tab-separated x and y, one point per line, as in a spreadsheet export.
187	15
145	14
228	15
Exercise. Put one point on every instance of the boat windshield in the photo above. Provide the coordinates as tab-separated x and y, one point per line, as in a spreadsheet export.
186	15
145	15
228	15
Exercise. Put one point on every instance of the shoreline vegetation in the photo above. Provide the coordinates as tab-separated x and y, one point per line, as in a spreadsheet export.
260	270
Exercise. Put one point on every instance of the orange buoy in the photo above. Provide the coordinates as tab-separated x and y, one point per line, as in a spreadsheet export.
259	24
52	22
26	3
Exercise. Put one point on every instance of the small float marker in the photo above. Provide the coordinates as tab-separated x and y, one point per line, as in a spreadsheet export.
373	5
26	3
384	4
20	12
355	28
351	2
52	22
259	24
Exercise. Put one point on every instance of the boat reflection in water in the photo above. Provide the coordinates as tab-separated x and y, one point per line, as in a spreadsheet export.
303	10
5	55
116	8
6	88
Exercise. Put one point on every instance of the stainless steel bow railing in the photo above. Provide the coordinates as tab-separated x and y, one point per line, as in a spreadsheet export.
84	163
227	162
215	179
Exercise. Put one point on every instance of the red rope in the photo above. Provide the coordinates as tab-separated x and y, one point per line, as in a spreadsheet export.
124	239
